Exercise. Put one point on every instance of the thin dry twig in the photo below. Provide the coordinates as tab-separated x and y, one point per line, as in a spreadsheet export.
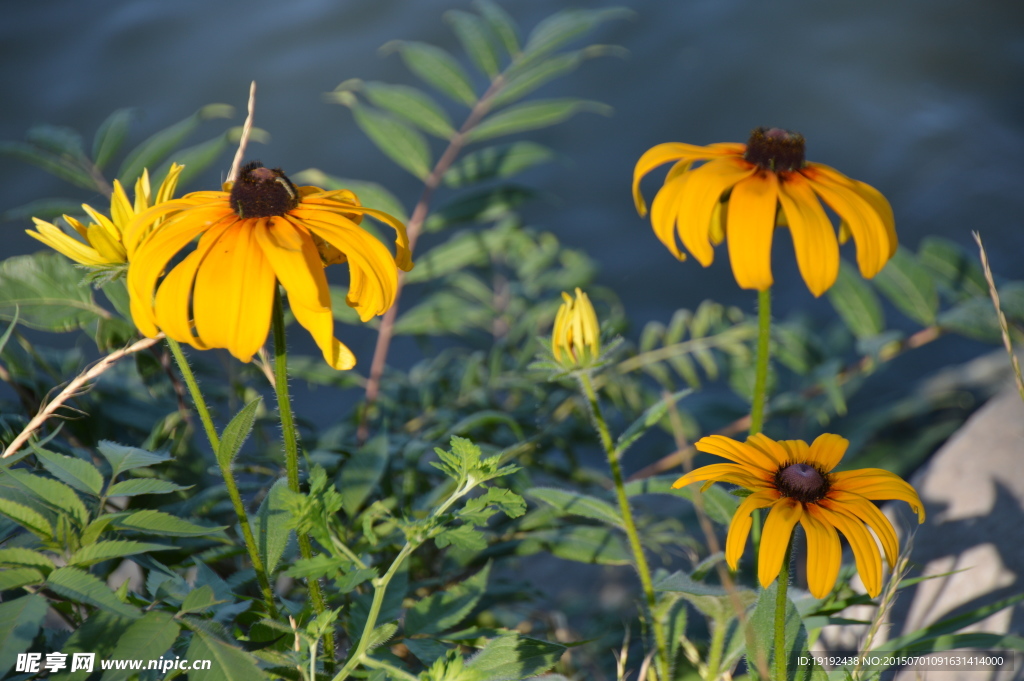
75	388
246	131
1004	328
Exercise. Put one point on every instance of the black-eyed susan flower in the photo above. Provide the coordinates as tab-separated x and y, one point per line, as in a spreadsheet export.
740	192
796	481
576	337
260	230
104	244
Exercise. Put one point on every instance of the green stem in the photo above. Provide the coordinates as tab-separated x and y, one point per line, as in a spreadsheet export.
630	526
717	647
764	324
291	452
229	478
780	616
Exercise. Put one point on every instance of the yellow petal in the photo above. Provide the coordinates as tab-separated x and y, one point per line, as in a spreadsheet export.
797	451
110	249
739	528
142	191
403	256
721	472
751	224
673	151
55	238
738	452
775	538
814	238
865	550
170	183
703	189
121	212
878	202
664	214
827	451
877	484
824	555
770	448
860	508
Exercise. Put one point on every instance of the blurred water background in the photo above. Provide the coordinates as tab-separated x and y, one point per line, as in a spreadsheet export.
922	99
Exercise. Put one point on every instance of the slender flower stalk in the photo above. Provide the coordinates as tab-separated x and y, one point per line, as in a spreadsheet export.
764	333
229	478
780	616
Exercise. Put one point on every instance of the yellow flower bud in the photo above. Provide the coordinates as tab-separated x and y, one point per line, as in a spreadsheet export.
576	338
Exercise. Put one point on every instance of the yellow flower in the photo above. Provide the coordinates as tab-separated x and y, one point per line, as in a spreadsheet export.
797	482
576	337
260	230
104	239
736	195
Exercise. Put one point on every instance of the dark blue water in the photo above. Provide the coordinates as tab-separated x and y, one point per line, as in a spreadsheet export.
922	99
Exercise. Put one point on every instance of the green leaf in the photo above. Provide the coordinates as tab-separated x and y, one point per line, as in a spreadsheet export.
443	313
533	115
718	504
514	657
31	520
59	140
20	620
227	663
76	472
462	250
486	205
110	136
909	287
445	609
361	474
199	600
53	493
137	486
583	544
45	290
951	625
23	557
117	548
44	209
158	522
66	169
476	39
122	458
411	104
13	578
649	418
463	537
496	162
159	145
148	638
713	601
236	432
560	28
577	503
523	81
856	303
501	23
82	587
370	194
381	635
958	271
436	67
271	526
479	510
761	637
403	145
974	318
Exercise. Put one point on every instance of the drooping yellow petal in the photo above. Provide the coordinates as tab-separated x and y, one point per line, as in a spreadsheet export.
874	197
721	472
865	550
673	151
664	214
702	189
824	555
877	484
751	220
814	237
55	238
827	451
744	454
860	508
741	522
333	202
778	528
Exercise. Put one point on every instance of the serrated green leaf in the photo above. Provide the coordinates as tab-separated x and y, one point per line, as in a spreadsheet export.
76	472
577	503
20	620
909	287
148	638
464	537
82	587
117	548
398	141
45	291
583	544
496	162
228	662
514	657
236	433
13	578
486	205
22	557
158	522
524	80
477	41
436	67
445	609
361	474
370	194
65	169
271	526
157	147
501	23
137	486
122	458
53	494
110	136
533	116
856	303
411	104
31	520
199	600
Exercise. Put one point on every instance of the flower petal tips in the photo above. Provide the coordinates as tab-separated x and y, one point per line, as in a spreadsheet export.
576	337
795	481
741	192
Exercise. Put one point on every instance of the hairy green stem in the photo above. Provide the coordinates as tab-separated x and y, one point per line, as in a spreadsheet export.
229	478
639	558
780	616
764	325
291	452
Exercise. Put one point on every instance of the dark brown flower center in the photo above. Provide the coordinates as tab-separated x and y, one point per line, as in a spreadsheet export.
802	482
262	192
775	149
